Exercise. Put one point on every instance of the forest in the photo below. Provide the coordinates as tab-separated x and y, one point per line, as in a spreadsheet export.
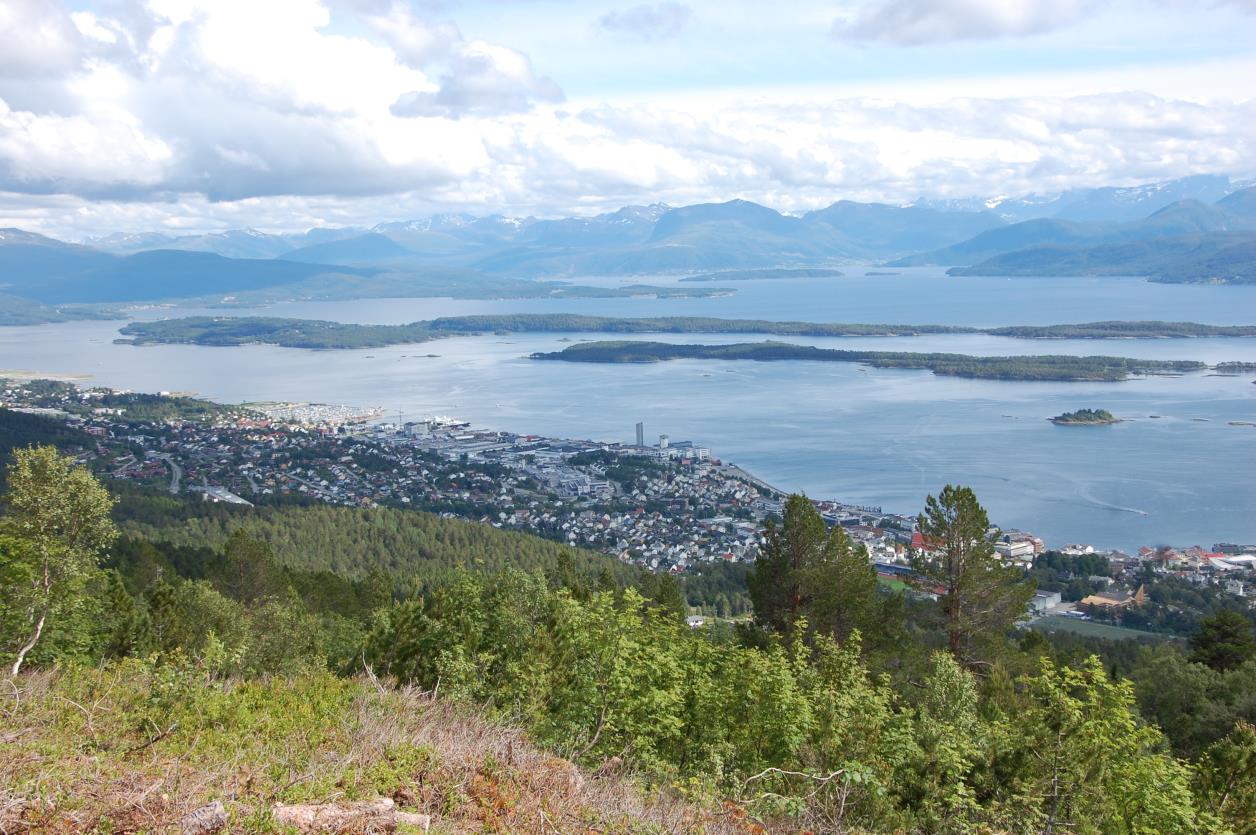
840	705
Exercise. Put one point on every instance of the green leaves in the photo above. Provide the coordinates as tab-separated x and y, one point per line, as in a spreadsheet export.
1096	767
58	515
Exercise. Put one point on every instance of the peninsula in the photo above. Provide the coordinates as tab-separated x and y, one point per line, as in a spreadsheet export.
1086	417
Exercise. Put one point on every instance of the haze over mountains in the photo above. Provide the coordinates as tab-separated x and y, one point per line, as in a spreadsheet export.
1194	229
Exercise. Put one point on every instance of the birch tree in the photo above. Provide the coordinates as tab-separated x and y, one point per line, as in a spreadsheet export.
59	513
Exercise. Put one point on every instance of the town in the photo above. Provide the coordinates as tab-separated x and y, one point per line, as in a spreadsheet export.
667	506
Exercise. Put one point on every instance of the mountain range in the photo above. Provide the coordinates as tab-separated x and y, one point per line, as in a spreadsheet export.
1193	229
1187	240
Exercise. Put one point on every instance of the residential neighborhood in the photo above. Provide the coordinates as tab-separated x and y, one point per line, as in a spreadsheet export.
670	506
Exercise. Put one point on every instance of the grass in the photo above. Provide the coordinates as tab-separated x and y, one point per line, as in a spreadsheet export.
893	584
1052	623
135	747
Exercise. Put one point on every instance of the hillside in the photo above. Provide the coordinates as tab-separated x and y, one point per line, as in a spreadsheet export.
51	275
423	548
876	227
1028	233
151	748
294	661
1184	241
1223	258
371	248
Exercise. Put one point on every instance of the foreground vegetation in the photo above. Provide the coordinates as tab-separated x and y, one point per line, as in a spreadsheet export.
156	739
1042	367
151	677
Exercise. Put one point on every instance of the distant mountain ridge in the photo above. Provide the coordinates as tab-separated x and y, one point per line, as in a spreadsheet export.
1187	240
1194	229
1116	204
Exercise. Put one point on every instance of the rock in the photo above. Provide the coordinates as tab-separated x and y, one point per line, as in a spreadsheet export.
207	820
368	816
421	822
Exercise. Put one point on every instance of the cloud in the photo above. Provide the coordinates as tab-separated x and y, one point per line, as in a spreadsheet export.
37	38
662	20
201	114
915	22
415	40
482	79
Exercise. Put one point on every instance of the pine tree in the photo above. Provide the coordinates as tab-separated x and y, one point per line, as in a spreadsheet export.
808	571
979	595
1223	641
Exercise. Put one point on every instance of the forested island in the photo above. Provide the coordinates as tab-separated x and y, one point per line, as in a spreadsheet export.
1042	367
313	333
226	331
1086	417
752	275
1124	330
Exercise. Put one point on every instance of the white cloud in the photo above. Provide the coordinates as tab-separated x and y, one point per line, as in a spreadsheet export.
919	22
482	78
37	38
200	114
661	20
913	22
416	40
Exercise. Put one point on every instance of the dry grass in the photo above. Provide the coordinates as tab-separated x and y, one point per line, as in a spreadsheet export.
126	750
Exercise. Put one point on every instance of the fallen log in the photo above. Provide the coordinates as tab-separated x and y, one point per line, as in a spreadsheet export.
370	817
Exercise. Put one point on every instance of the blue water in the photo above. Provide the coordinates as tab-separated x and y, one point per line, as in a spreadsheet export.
923	295
834	430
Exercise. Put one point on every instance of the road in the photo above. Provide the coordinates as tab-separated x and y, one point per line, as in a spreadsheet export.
176	472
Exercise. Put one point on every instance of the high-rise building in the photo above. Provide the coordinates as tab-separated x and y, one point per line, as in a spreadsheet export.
663	441
640	433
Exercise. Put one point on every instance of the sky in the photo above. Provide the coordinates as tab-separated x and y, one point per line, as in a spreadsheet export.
200	115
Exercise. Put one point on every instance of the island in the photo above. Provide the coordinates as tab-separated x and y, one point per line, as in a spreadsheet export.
315	333
227	331
1086	417
1124	330
1043	367
754	275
